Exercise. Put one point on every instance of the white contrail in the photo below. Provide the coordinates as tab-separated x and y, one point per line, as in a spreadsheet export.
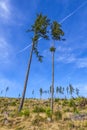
64	19
72	13
25	48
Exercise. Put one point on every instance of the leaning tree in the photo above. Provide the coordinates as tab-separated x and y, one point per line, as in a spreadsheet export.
6	90
71	89
40	30
56	35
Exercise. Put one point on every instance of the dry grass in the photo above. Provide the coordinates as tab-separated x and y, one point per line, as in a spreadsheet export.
28	119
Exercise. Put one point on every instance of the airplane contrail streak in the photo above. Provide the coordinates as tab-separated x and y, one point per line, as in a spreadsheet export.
63	20
72	13
24	48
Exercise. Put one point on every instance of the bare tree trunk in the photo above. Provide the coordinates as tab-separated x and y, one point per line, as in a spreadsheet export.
5	94
26	80
52	87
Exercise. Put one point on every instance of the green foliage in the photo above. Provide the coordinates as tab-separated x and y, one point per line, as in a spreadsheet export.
40	30
65	102
7	88
77	91
12	114
85	124
41	91
37	53
71	125
13	103
49	112
71	89
58	115
57	99
61	90
76	111
56	31
52	49
71	103
82	129
25	113
38	109
40	26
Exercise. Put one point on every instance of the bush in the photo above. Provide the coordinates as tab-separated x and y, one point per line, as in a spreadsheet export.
25	112
85	124
67	110
65	102
57	99
76	111
71	103
38	109
58	115
49	112
71	125
13	103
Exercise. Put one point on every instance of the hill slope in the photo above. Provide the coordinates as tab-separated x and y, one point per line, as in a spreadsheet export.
68	114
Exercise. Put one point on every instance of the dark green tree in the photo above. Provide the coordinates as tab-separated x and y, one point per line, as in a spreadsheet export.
33	93
61	90
40	30
41	92
67	90
57	90
71	89
77	92
19	95
56	34
6	90
1	91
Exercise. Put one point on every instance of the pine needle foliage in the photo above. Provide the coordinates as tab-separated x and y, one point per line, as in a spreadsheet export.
56	31
40	30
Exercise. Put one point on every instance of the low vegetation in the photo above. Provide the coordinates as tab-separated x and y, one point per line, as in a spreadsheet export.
69	114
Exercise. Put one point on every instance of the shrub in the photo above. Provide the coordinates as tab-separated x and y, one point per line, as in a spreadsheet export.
65	102
76	111
57	99
71	103
58	115
25	112
71	125
85	124
49	112
13	103
38	109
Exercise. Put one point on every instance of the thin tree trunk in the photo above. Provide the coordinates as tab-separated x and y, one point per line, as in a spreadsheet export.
5	94
52	87
26	79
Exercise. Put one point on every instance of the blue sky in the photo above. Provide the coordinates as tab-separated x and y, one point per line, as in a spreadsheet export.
16	16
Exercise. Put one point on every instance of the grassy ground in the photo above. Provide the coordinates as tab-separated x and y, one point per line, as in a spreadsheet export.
36	115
